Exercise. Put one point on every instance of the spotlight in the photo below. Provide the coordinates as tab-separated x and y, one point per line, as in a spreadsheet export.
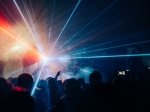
16	47
45	58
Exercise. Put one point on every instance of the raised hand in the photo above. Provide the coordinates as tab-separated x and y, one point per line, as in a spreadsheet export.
58	73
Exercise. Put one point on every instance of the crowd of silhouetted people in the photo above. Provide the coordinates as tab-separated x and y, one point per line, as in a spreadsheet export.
72	95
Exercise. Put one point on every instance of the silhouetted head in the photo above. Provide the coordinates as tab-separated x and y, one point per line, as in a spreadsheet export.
52	83
25	80
72	86
95	78
5	87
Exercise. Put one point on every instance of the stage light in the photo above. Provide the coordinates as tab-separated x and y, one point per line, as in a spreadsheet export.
21	42
33	35
45	58
16	47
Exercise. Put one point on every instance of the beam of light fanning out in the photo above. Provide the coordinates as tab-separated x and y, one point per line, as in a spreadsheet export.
32	24
65	25
6	32
27	25
88	24
49	35
111	47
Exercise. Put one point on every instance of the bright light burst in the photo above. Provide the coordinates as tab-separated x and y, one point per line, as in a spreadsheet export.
16	47
60	30
19	36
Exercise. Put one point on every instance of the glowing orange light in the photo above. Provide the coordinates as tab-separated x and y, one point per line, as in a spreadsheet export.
6	32
3	22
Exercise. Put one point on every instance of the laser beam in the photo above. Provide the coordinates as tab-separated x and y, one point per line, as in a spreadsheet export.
121	39
6	32
113	47
27	25
65	25
88	24
49	35
31	21
37	80
110	56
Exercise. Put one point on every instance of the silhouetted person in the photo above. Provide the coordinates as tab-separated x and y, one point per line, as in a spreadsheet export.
5	87
19	101
72	87
1	67
95	78
54	94
5	90
25	80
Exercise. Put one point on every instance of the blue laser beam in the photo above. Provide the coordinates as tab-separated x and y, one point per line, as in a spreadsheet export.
135	35
110	56
121	39
65	25
88	24
33	90
101	33
112	47
51	20
39	48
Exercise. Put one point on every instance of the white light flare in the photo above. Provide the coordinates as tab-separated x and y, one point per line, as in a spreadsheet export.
16	47
27	25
